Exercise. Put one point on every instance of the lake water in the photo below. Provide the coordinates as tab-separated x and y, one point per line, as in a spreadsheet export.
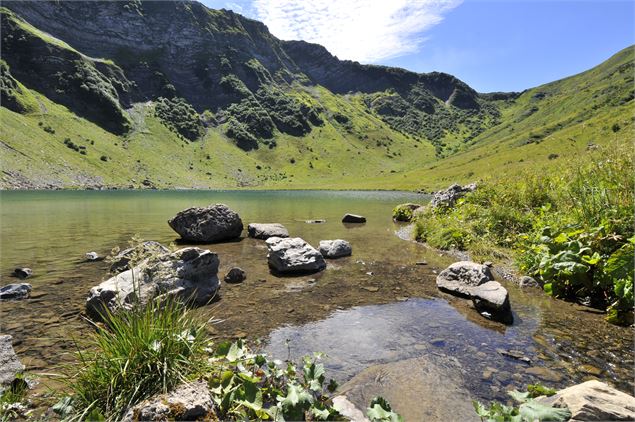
372	308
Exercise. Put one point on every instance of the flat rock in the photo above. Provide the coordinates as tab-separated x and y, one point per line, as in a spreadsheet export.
266	230
121	261
15	291
594	401
215	223
461	277
235	275
189	274
10	365
353	218
293	255
335	248
187	402
544	374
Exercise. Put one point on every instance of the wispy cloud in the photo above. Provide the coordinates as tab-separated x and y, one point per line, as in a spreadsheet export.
363	30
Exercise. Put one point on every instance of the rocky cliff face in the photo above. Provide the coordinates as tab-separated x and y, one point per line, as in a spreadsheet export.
215	60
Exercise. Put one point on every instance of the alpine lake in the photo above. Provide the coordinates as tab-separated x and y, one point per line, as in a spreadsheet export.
377	315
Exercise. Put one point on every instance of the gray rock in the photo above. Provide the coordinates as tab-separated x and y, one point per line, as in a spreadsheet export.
190	274
22	272
10	365
15	291
293	255
188	402
92	256
593	401
266	230
448	197
347	409
353	218
146	249
215	223
335	248
492	298
235	275
526	281
461	277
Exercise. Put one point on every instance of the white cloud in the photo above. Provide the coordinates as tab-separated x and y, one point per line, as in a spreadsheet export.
363	30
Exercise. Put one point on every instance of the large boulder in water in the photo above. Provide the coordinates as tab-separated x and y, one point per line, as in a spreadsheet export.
593	401
10	365
121	261
335	248
293	255
266	230
492	300
448	197
461	277
215	223
189	274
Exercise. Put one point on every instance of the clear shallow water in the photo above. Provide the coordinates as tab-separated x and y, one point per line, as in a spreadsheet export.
374	307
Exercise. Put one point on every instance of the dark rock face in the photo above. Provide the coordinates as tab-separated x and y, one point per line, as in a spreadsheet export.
293	255
448	197
266	230
15	291
122	260
22	272
335	248
353	218
215	223
10	365
187	402
189	274
235	275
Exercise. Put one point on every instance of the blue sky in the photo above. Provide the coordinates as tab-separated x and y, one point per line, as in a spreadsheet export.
493	45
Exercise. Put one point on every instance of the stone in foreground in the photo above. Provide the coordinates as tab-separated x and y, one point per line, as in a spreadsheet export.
188	402
266	230
293	255
10	365
215	223
235	275
335	248
148	248
353	218
189	274
15	291
593	401
461	277
492	298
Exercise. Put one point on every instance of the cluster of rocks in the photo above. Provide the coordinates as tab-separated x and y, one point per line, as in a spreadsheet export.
475	281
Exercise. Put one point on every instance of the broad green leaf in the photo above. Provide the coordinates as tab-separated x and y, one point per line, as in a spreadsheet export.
535	411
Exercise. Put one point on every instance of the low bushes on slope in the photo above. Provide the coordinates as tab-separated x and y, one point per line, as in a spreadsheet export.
571	229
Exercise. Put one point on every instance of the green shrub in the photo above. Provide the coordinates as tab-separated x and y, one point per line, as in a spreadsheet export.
178	115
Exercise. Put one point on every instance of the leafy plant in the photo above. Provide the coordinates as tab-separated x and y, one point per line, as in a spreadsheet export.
528	411
381	411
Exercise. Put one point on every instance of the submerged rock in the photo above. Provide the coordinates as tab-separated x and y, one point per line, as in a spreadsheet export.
461	277
266	230
593	401
22	272
448	197
353	218
335	248
187	402
10	365
146	249
235	275
190	274
15	291
215	223
292	255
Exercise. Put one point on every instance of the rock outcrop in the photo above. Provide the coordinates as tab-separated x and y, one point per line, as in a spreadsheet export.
187	402
189	274
266	230
593	401
448	197
10	365
215	223
15	291
293	255
335	248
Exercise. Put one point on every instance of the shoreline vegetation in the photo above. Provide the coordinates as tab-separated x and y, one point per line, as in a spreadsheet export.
572	229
